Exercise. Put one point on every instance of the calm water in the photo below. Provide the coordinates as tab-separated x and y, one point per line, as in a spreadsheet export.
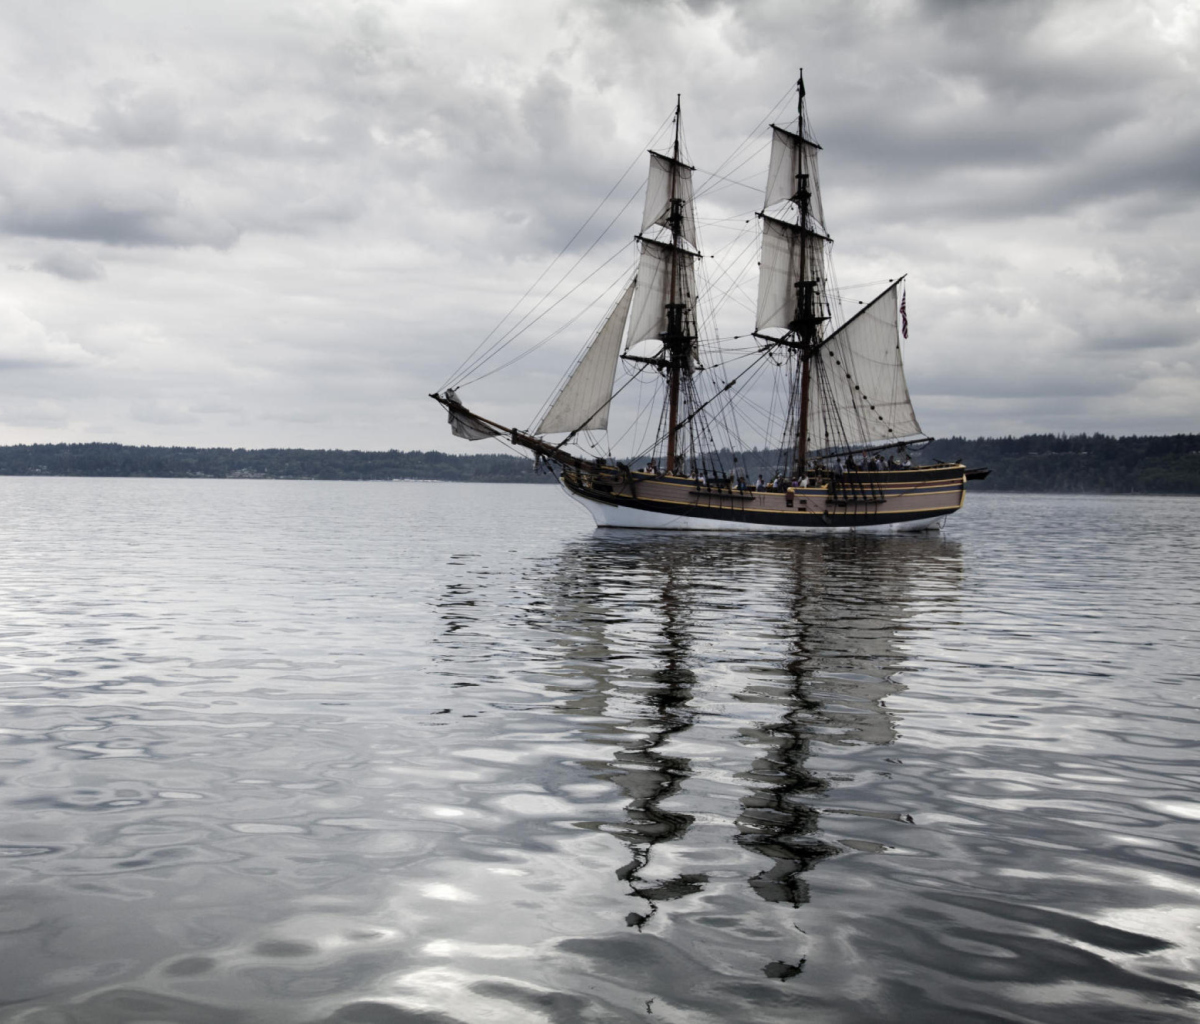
435	753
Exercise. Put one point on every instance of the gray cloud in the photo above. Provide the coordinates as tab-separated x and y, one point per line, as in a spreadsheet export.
71	265
129	116
116	220
294	219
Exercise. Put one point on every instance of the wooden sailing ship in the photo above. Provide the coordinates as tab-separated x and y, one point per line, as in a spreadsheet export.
841	457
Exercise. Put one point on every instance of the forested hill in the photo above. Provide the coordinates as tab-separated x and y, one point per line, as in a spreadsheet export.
271	463
1038	462
1085	463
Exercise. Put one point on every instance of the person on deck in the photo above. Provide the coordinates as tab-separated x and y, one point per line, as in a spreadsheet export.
739	473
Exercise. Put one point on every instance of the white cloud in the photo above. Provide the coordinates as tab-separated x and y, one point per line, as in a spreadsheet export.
27	344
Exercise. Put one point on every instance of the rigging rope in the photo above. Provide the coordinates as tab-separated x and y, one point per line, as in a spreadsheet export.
471	363
533	348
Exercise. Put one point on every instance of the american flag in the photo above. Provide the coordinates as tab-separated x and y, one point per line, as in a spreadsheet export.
904	315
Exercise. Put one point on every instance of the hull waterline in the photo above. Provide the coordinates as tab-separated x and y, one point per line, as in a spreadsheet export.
890	502
625	518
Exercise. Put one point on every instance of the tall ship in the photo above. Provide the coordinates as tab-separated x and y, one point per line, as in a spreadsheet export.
841	445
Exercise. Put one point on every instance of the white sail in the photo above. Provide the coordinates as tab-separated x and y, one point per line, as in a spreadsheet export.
648	315
781	267
658	195
792	156
859	397
583	402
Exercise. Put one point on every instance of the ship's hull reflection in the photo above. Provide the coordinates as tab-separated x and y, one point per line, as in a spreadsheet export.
788	643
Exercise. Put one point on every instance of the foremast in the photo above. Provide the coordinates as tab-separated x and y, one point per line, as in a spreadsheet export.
656	316
666	278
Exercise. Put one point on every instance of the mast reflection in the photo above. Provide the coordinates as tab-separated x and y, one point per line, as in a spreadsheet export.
839	639
644	771
647	689
805	629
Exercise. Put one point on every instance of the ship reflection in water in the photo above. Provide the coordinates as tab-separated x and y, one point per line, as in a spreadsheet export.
697	650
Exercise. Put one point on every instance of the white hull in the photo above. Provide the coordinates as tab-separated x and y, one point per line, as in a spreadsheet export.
623	517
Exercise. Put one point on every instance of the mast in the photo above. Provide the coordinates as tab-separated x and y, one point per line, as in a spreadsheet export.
807	324
662	309
675	341
791	280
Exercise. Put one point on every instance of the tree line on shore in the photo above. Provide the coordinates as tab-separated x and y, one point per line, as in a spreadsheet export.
1083	463
261	463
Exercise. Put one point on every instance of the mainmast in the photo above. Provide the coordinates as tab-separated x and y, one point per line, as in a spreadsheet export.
809	318
677	345
805	325
792	276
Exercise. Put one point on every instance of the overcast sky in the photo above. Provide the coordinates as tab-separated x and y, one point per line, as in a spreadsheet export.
283	222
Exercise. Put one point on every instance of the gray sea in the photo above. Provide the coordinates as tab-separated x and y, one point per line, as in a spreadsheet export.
441	753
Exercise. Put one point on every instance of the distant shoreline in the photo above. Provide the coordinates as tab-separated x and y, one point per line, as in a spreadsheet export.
118	460
1035	463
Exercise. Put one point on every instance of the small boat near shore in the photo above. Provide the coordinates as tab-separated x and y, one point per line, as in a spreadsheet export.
841	431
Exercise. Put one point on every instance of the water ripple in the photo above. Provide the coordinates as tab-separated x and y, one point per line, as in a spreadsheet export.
305	752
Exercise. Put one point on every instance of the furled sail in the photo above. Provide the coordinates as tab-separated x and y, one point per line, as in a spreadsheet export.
663	172
466	424
859	397
583	402
791	157
788	256
648	315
